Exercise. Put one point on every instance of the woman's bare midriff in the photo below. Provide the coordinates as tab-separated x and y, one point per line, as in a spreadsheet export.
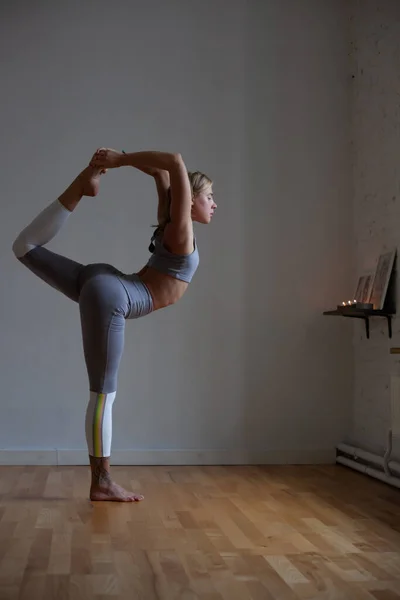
164	289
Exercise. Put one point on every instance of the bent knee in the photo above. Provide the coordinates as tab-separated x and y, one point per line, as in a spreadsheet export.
21	247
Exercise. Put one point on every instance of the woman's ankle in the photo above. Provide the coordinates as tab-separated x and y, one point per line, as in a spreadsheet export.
100	468
72	195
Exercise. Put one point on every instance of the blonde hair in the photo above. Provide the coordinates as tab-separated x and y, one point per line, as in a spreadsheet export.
198	183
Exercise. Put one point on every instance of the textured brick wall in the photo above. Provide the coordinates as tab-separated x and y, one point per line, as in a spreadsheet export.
374	27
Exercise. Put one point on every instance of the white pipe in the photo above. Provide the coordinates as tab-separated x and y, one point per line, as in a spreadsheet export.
369	471
372	458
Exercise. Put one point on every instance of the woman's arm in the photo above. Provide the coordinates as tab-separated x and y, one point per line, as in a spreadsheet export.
152	171
162	181
181	196
161	178
141	160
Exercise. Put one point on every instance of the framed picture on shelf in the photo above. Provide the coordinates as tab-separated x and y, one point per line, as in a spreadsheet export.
364	288
381	279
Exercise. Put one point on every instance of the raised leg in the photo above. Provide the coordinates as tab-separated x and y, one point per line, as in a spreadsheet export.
58	271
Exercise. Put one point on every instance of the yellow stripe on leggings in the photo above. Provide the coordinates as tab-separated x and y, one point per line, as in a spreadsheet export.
97	425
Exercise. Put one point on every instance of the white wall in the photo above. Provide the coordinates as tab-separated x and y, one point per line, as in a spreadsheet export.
245	368
375	63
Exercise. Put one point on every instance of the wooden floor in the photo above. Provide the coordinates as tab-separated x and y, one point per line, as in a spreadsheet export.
212	533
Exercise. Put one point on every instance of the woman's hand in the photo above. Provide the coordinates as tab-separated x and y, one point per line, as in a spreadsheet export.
106	158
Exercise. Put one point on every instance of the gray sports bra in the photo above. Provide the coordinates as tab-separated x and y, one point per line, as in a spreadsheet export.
179	266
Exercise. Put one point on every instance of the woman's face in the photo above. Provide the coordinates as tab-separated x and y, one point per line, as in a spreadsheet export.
203	206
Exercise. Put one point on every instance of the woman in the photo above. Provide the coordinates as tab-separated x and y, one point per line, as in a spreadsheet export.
106	296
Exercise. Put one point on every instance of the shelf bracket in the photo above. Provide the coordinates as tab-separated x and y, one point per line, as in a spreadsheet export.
389	323
389	320
366	321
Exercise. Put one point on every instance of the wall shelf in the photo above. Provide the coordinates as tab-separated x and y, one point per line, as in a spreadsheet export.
388	311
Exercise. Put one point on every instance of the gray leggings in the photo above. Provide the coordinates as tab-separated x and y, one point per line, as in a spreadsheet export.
106	298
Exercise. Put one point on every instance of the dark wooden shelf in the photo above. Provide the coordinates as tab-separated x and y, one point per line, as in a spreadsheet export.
388	311
365	314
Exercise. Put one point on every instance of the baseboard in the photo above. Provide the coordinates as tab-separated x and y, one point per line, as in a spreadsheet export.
55	456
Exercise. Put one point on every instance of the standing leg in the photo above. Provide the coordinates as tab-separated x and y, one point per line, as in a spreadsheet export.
104	305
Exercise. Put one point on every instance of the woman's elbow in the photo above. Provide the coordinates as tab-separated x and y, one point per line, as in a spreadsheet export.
177	160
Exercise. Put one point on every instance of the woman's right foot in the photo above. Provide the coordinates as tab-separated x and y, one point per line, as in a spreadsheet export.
90	180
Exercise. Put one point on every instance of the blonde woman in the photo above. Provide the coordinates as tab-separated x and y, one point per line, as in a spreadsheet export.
106	296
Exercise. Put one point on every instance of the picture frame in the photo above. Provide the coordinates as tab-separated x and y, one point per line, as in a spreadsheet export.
381	279
364	288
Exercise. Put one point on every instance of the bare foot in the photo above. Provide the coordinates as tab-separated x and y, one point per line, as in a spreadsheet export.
90	180
103	487
112	492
